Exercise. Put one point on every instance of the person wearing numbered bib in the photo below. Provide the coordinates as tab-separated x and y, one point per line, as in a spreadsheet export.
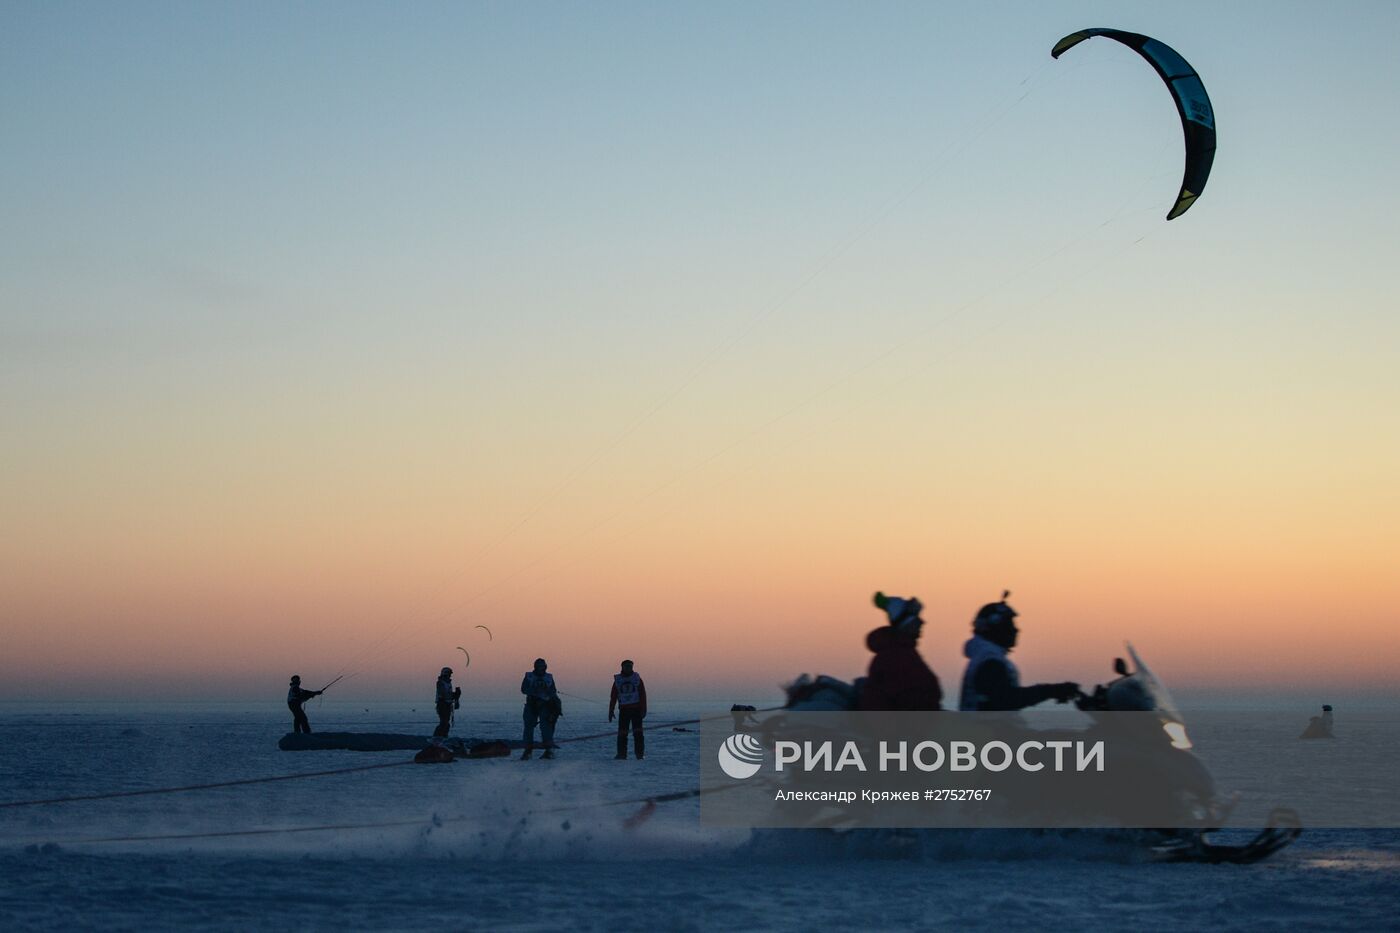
542	708
629	700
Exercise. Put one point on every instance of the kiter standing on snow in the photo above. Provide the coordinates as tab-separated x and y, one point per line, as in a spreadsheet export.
542	706
447	699
295	697
991	681
629	699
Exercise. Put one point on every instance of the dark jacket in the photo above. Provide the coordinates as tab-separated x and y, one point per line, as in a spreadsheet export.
898	679
297	696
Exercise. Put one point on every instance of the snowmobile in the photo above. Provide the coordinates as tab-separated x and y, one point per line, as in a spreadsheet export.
1139	690
1160	750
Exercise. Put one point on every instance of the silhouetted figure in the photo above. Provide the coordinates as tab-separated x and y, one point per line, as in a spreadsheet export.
1320	727
446	699
743	716
542	707
295	697
629	698
991	681
898	678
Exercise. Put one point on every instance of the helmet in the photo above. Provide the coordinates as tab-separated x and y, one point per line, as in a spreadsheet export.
296	678
994	618
446	672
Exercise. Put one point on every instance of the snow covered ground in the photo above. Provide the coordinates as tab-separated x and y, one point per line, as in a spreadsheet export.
521	845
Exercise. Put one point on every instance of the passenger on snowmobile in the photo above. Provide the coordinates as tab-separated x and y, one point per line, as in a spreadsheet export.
899	679
991	682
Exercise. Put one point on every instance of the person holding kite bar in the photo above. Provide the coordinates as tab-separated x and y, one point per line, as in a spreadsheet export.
295	697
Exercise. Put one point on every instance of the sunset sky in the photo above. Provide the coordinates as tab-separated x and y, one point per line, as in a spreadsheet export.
672	332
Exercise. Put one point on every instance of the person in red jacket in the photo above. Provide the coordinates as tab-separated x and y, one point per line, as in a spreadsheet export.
629	699
899	679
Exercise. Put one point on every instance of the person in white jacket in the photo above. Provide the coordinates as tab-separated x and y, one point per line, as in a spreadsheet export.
991	681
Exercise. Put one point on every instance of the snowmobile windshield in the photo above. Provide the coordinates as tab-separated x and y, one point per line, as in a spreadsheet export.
1153	688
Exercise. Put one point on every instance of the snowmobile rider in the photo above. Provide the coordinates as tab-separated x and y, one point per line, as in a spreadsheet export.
447	699
629	698
898	678
991	681
543	706
295	697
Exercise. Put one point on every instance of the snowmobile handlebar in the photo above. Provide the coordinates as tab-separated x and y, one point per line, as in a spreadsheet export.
1098	700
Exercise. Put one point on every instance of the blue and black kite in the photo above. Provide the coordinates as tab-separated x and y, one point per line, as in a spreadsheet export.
1197	117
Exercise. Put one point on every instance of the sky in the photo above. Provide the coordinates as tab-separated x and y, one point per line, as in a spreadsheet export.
329	332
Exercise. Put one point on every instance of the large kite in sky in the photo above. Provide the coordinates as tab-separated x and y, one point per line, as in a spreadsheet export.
1197	117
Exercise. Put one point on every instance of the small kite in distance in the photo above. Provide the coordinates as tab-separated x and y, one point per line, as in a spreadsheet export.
464	651
488	632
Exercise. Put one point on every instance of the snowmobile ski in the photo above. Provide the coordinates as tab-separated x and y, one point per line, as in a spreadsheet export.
1283	827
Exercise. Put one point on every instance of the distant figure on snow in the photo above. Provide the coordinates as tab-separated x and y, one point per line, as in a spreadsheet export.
991	681
447	699
542	706
1320	727
295	697
629	698
899	679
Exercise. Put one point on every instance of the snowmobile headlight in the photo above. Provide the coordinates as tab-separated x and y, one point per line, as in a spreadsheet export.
1177	733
